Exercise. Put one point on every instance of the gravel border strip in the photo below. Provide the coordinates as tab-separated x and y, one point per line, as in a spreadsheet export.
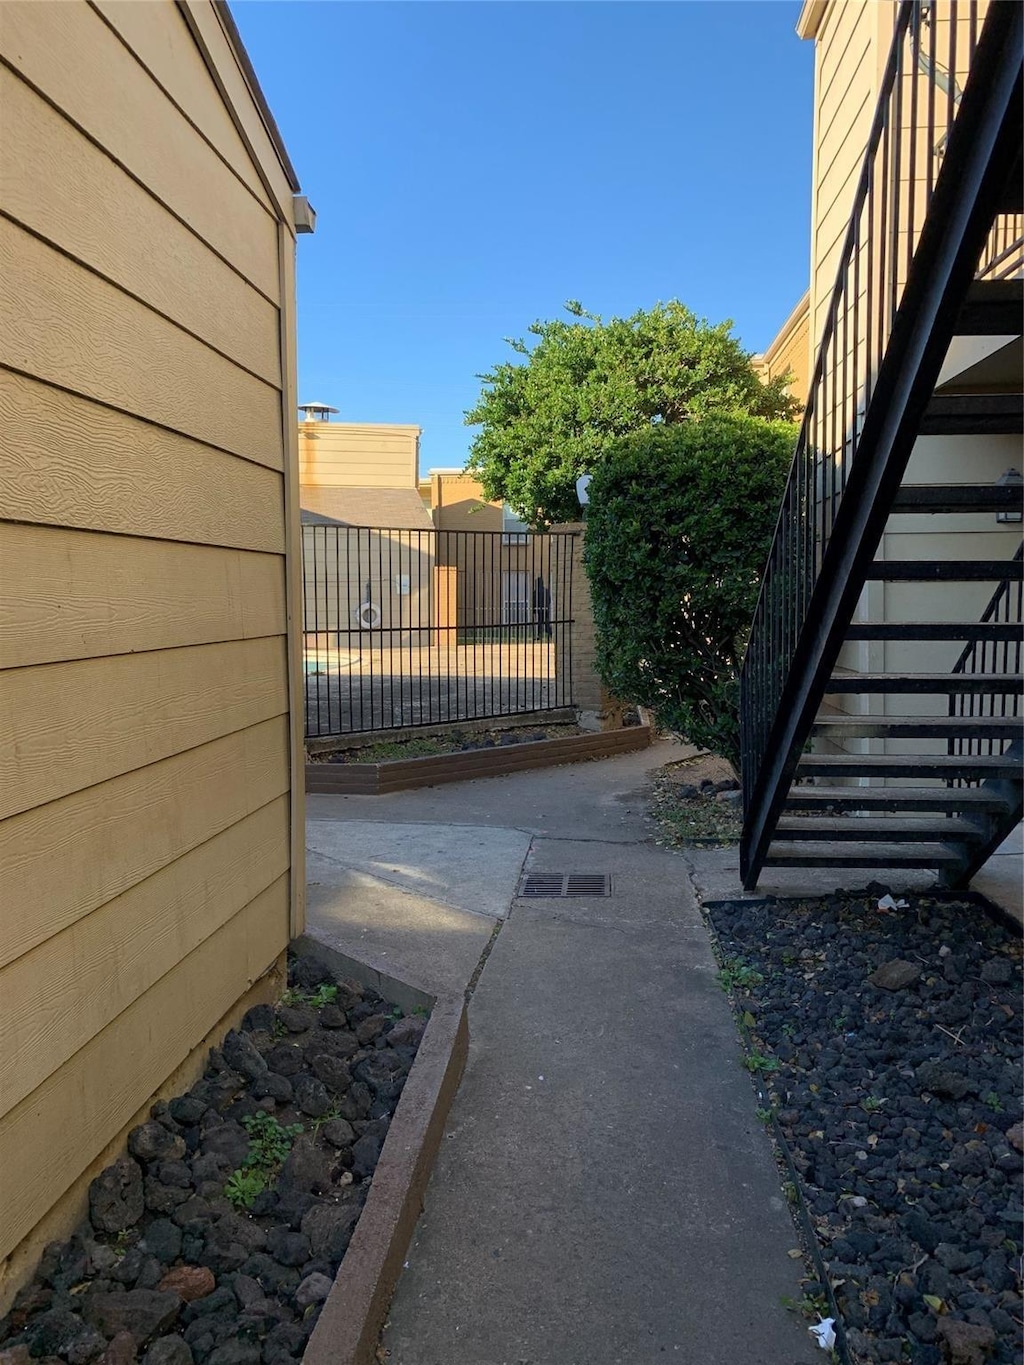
798	1205
784	911
350	1323
177	1264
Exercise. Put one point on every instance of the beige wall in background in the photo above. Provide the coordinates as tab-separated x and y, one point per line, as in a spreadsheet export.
358	455
347	568
851	42
790	352
150	779
458	504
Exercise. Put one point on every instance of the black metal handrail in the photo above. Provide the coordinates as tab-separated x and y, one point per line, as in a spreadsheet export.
847	436
990	656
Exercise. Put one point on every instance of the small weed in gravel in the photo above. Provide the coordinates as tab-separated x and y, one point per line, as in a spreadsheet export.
734	973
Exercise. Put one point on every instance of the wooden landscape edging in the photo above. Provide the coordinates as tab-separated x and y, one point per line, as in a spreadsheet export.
353	1315
325	744
376	779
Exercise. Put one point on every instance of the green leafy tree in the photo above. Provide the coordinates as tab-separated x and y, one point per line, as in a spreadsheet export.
679	525
550	415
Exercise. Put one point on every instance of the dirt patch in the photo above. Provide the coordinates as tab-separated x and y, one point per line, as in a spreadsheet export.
431	746
696	802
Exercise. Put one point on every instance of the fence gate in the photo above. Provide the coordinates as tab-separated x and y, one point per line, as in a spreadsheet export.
409	627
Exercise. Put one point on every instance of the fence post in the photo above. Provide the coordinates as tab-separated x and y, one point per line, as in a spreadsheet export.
598	709
445	604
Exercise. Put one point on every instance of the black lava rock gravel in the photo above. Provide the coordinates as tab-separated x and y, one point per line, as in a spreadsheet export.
170	1270
888	1044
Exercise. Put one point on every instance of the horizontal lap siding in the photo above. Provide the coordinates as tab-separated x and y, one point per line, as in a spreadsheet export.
64	324
69	725
65	859
53	1134
146	822
169	53
335	456
63	595
846	92
107	221
73	985
71	462
60	49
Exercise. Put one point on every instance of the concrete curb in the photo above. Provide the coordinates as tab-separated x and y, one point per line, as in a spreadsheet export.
375	779
352	1317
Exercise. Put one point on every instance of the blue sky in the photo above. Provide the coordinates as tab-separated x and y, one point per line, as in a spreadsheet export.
473	165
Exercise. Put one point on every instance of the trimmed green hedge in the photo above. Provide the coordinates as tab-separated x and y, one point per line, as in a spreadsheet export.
679	526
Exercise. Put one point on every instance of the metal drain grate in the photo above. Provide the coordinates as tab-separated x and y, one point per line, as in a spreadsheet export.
538	885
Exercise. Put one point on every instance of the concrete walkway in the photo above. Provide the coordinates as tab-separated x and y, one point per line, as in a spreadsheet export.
604	1194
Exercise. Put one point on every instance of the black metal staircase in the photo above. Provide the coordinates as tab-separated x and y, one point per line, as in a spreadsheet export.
935	251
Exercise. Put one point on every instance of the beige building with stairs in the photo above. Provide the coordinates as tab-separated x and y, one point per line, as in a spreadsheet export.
883	678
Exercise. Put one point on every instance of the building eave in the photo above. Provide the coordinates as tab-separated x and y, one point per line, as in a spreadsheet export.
811	15
785	332
230	28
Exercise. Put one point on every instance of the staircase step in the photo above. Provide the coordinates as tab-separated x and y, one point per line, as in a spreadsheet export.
992	308
974	414
894	829
926	855
980	799
989	683
918	727
990	632
909	765
946	571
957	497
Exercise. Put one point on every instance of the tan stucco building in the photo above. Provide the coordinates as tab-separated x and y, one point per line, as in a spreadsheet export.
497	577
790	352
368	541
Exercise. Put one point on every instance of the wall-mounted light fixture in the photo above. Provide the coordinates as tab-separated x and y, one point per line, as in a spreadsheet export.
1011	478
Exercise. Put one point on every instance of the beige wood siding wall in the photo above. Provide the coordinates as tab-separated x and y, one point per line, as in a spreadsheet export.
853	39
850	50
852	44
149	823
458	504
358	455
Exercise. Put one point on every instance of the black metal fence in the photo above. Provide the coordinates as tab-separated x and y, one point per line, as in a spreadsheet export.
405	627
